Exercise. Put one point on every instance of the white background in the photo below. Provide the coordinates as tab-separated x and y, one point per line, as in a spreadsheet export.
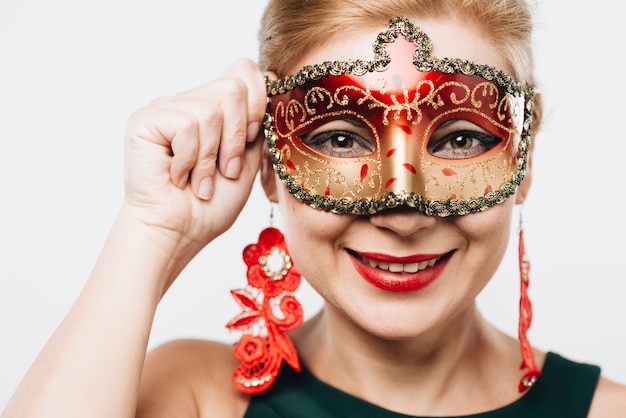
71	72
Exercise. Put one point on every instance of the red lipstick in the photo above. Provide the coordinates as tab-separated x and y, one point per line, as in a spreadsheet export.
400	281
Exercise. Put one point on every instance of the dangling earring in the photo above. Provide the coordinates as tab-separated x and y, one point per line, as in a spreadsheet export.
525	317
269	310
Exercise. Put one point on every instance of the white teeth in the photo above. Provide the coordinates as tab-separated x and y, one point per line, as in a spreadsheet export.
399	267
411	267
396	267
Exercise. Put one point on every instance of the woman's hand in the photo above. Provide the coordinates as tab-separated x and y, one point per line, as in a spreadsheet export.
191	159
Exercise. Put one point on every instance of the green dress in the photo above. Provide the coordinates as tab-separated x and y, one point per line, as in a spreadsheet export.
565	389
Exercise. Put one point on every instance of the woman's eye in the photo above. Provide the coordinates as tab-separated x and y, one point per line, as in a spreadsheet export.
342	140
459	144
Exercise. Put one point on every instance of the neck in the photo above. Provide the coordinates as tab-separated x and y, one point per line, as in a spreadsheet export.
425	370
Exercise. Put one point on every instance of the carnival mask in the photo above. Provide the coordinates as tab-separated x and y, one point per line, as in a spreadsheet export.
443	136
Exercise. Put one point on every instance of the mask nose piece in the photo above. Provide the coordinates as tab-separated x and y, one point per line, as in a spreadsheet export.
401	154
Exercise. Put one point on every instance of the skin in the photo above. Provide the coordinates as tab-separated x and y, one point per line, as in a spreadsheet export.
422	349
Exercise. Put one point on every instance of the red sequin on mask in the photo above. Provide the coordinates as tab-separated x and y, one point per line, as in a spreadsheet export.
269	310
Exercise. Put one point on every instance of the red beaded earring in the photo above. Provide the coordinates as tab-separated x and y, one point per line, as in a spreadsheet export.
525	317
269	310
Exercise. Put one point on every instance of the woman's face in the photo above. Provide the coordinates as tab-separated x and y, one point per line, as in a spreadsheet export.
399	273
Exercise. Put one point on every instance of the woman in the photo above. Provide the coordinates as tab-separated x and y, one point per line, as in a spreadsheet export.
399	332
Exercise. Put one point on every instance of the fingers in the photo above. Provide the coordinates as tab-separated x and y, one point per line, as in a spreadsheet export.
243	108
248	71
235	118
195	150
210	133
208	127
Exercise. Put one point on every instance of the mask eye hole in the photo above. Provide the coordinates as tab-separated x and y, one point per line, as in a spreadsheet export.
460	139
341	138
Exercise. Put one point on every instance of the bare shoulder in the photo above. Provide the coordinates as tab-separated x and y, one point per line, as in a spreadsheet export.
190	378
609	400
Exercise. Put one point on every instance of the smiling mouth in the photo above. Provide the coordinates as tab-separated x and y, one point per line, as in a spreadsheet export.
395	267
401	267
399	274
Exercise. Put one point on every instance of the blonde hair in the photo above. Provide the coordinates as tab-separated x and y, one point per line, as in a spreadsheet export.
290	28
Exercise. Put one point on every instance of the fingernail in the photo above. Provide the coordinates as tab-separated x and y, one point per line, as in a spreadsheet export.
253	131
206	188
183	181
233	168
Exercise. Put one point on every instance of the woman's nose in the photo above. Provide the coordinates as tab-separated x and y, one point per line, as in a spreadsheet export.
402	221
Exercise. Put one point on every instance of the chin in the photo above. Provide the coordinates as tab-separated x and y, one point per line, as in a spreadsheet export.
396	321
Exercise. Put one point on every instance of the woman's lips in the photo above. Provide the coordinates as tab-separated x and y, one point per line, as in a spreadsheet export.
399	274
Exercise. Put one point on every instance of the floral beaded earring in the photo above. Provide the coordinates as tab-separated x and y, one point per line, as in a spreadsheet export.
269	310
525	317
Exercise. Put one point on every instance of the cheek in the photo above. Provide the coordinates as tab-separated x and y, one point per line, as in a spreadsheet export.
312	235
487	235
493	221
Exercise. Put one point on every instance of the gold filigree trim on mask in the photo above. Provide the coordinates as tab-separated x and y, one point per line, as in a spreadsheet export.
411	106
422	60
330	174
363	206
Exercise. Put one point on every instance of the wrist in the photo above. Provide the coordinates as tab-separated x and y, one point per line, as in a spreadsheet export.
161	252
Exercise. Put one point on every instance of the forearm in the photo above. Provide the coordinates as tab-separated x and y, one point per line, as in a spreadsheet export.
92	364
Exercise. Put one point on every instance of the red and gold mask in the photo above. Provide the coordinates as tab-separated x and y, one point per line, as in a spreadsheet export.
443	136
